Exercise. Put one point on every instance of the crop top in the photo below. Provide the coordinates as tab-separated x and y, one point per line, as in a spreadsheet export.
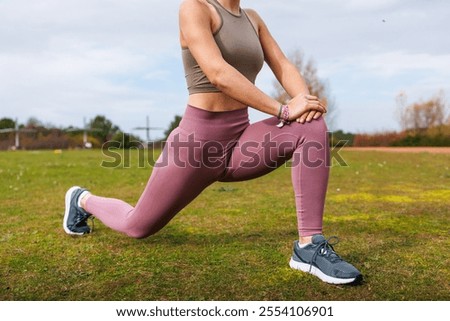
239	44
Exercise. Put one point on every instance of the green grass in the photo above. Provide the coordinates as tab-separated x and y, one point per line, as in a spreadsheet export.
390	210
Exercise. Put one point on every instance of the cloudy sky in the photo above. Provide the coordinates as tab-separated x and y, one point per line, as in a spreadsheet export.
62	60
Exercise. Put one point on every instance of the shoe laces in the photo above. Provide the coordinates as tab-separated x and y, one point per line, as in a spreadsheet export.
82	217
325	249
92	221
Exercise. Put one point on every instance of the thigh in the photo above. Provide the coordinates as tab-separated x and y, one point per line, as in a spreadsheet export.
260	149
178	177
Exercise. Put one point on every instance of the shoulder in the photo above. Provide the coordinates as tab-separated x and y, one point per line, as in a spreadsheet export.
195	11
254	17
252	14
194	5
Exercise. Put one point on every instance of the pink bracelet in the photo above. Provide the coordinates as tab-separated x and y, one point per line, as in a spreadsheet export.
284	117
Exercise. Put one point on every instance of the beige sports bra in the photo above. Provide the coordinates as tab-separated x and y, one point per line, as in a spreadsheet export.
239	44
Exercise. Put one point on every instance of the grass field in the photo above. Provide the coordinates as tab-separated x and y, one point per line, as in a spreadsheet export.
390	210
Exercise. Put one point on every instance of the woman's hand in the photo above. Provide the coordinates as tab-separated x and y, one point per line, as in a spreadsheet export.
308	116
305	108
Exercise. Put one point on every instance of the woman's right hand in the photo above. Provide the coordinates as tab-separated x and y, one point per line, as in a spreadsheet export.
305	104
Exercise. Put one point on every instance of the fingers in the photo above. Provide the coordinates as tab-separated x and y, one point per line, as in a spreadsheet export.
303	117
313	102
314	115
306	108
324	105
317	115
309	116
316	105
311	97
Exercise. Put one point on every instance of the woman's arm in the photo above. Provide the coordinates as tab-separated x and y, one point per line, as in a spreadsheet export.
195	28
284	70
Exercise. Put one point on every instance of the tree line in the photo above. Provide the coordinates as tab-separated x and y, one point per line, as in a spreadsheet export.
34	134
422	123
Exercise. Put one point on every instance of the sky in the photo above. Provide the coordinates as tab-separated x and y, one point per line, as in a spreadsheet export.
65	60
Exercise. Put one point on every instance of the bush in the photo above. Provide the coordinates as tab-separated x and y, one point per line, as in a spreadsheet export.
339	138
423	140
126	141
434	136
379	139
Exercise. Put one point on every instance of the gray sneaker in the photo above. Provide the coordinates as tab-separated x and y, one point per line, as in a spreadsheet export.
320	259
75	218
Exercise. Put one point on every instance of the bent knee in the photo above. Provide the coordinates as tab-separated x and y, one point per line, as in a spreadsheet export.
139	233
319	125
316	129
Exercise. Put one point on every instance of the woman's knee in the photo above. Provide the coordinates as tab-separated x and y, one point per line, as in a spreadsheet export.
140	232
316	130
319	125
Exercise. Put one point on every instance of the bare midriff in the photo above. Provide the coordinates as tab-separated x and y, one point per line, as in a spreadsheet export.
215	102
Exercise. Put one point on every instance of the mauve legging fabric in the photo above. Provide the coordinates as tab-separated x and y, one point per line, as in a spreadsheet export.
223	146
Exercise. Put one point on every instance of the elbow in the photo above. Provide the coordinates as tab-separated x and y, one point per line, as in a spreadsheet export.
219	78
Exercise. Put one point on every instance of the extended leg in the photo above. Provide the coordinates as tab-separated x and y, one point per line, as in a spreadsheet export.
176	180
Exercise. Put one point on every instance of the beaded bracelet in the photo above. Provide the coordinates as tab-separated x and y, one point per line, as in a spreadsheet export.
283	116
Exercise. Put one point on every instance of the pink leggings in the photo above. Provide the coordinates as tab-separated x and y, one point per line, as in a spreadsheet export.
223	146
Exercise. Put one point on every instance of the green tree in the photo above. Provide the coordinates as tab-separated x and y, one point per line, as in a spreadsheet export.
33	122
341	138
127	141
174	124
7	123
102	128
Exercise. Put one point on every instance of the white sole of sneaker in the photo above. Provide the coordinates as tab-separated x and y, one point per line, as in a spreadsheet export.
315	271
66	213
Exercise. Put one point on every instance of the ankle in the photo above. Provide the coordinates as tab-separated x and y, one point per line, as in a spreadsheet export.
83	199
303	240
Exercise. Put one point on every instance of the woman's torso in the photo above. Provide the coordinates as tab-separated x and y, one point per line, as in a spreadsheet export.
210	99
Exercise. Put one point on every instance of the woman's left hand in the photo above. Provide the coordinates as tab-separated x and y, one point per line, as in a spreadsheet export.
309	116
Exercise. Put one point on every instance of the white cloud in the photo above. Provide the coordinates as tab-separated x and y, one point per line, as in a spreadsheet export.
390	64
369	5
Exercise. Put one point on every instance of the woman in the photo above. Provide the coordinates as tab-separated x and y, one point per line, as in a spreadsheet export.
223	49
